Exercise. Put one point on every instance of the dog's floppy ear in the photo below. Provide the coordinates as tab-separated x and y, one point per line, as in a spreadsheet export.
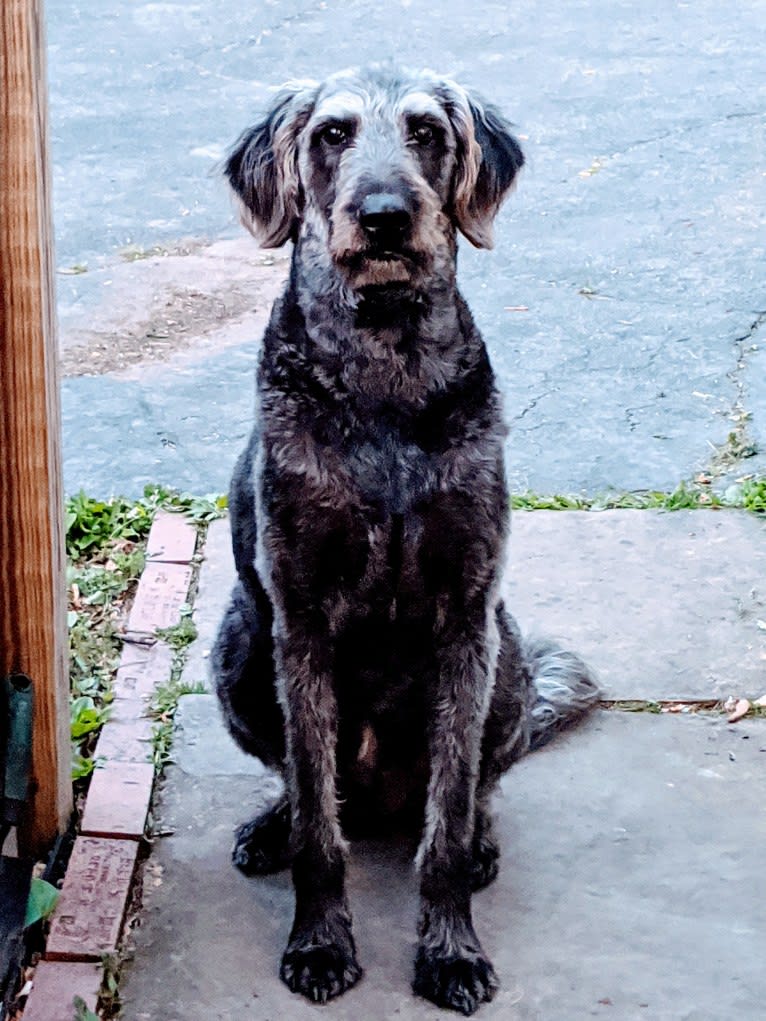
488	160
262	168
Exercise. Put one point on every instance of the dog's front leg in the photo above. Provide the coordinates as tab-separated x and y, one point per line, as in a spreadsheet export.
320	959
451	968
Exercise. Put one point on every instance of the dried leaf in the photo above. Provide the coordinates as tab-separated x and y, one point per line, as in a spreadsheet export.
761	702
742	708
594	168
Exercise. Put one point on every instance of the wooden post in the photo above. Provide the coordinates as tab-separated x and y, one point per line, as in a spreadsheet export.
32	579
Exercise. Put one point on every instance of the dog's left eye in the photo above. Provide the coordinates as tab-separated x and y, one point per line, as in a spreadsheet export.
334	134
422	134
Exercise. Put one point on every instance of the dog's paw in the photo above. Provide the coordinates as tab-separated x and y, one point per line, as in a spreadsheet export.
458	981
262	845
484	861
320	967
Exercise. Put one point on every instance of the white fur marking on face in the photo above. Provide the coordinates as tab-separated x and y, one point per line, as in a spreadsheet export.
420	104
342	105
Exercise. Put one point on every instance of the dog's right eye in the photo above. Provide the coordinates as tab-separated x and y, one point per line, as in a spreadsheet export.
334	134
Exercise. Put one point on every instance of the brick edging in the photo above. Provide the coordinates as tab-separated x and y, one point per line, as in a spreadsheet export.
90	913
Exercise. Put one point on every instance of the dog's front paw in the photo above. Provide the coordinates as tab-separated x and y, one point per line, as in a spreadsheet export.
319	965
459	980
262	845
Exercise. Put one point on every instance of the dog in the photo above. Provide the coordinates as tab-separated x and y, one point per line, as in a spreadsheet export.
366	653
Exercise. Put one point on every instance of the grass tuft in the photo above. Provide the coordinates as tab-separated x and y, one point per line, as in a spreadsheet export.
749	494
105	541
163	710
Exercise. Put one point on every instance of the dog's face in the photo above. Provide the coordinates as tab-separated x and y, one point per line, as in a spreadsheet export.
381	167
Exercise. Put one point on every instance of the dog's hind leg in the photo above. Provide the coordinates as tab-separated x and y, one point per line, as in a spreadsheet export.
507	727
506	739
243	667
243	664
262	845
539	689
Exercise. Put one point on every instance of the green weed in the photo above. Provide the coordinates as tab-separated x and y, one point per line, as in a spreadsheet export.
41	901
182	634
749	494
81	1010
105	547
86	716
93	525
162	710
82	765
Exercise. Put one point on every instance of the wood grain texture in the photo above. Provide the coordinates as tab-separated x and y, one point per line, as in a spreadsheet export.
32	585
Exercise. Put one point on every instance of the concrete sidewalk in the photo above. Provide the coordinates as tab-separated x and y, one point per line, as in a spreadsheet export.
632	848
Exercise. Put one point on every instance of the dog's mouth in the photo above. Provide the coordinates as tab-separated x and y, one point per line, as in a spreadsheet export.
384	254
389	304
380	265
378	253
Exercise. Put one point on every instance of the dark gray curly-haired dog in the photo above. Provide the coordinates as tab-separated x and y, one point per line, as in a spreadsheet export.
366	653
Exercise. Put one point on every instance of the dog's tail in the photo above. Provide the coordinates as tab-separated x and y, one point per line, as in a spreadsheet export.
564	689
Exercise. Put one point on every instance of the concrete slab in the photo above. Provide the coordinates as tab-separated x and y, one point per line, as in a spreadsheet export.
626	887
199	752
216	579
664	605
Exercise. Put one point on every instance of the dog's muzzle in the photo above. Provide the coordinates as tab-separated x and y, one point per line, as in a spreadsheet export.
386	220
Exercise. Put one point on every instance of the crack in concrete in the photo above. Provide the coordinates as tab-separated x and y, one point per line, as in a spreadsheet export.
680	130
631	419
757	323
739	444
533	404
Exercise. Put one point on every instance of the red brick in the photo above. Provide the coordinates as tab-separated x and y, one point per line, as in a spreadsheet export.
89	915
126	741
162	591
142	668
56	984
118	800
172	539
128	710
129	681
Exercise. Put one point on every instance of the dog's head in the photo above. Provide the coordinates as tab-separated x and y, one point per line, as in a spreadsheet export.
382	166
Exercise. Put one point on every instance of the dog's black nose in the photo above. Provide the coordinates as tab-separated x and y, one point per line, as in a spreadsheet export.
384	216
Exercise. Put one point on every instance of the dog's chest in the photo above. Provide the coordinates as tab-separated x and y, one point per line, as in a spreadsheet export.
389	473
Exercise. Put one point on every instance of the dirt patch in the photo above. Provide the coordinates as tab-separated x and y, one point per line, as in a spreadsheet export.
145	309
